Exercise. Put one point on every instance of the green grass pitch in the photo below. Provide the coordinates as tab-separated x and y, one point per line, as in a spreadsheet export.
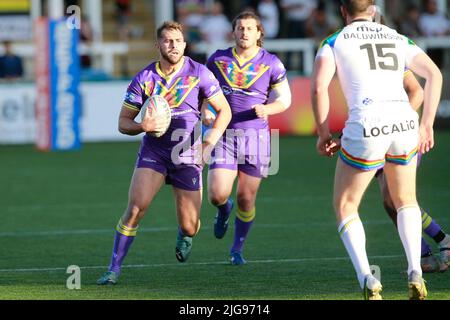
60	209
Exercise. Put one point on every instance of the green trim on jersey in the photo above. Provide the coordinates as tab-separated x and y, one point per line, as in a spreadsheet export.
411	42
330	40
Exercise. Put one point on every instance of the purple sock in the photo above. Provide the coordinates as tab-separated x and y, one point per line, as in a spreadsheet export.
431	228
241	230
225	209
426	250
122	244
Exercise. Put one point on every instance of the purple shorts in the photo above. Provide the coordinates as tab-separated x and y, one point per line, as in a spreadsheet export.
246	150
186	176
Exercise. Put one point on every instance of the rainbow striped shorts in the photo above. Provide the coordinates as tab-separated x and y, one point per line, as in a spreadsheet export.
367	145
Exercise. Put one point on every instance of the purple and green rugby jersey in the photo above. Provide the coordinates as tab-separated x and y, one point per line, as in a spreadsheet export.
185	89
246	83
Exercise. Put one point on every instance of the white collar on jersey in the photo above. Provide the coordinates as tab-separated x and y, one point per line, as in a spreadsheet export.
360	20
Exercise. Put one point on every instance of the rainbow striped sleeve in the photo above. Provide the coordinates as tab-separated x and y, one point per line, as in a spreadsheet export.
330	40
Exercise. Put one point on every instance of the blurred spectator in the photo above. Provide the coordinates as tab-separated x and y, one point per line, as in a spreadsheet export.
86	37
318	26
333	10
409	25
297	13
190	13
270	18
234	7
123	11
247	9
216	28
68	3
10	64
433	23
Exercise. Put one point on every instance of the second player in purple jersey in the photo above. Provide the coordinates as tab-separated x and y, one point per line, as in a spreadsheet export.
246	83
247	74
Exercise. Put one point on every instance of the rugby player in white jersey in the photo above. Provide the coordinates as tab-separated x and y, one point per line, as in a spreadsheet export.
382	131
428	262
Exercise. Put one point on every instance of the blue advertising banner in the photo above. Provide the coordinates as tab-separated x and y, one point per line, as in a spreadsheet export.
65	78
57	81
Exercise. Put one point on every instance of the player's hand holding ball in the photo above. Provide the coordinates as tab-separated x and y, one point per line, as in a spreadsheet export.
156	116
152	124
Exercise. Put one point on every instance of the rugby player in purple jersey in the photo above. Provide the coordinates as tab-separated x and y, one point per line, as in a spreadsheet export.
185	84
248	74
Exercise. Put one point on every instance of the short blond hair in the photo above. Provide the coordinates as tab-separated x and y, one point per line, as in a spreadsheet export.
168	25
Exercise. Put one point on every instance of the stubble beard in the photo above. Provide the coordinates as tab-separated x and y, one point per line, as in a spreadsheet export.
172	60
247	45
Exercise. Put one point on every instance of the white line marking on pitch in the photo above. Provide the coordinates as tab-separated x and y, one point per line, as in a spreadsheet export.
198	263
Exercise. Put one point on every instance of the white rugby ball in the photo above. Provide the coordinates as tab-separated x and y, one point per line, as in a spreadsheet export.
157	106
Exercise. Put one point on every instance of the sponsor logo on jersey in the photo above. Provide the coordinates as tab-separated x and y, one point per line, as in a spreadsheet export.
130	96
389	129
367	101
229	91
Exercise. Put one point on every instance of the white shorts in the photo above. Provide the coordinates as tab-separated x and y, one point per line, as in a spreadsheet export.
367	143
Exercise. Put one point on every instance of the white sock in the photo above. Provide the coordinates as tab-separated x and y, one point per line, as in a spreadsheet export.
352	234
409	225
